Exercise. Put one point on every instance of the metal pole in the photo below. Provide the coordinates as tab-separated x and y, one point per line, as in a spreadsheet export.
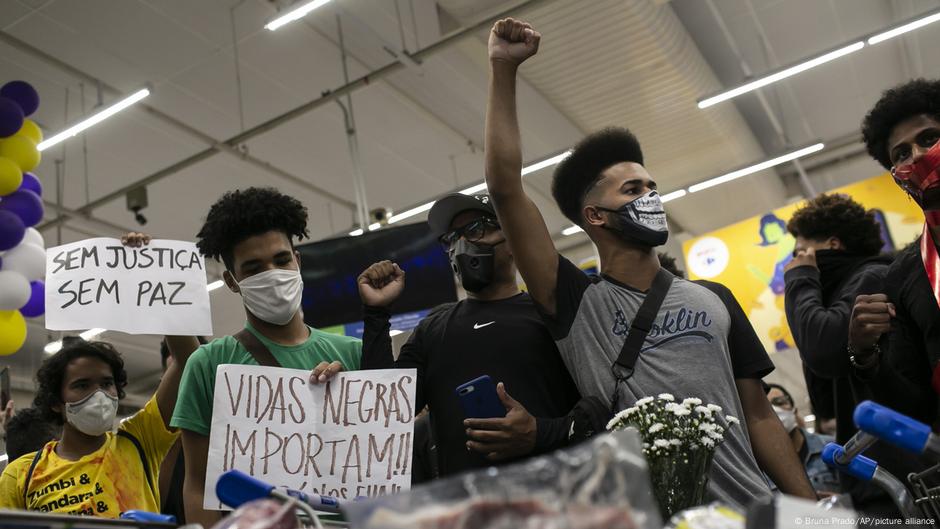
352	140
296	112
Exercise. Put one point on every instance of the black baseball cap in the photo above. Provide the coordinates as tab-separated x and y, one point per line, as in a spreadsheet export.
444	210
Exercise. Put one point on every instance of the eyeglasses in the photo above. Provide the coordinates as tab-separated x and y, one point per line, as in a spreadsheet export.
472	231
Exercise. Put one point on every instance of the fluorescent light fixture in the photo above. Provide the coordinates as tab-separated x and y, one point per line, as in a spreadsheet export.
571	230
395	332
475	189
674	195
410	213
554	160
712	182
900	30
91	333
297	13
374	226
54	347
93	120
782	74
215	285
356	232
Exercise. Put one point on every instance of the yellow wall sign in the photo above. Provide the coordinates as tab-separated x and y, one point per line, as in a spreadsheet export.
749	257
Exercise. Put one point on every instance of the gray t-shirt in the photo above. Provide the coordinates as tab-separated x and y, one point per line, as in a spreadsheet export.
700	342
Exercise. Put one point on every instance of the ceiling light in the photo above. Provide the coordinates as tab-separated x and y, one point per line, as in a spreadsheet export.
297	13
674	195
571	230
91	333
554	160
902	29
374	226
93	120
356	232
395	332
215	285
54	347
475	189
756	167
781	74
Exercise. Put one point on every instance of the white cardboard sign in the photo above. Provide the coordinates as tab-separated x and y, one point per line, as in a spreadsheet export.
159	288
349	437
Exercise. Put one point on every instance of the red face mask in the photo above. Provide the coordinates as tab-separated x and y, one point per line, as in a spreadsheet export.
921	177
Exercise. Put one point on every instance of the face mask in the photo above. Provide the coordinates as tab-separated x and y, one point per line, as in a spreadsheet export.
94	415
473	263
642	221
787	417
273	296
921	180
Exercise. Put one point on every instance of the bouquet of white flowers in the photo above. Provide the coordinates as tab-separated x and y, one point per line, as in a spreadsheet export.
679	441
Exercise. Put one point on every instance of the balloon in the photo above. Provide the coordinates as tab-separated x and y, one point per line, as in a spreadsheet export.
14	290
25	204
27	260
36	306
23	93
31	130
12	230
33	237
11	177
21	150
11	117
31	183
12	331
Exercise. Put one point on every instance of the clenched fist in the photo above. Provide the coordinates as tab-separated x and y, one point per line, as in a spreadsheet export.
871	317
381	284
513	41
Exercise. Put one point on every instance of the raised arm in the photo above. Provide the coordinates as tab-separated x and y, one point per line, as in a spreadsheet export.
512	42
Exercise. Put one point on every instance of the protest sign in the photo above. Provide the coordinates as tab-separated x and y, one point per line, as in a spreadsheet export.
348	437
159	288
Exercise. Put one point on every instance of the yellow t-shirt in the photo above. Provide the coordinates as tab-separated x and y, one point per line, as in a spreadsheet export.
105	483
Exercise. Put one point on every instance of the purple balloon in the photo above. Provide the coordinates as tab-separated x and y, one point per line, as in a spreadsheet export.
12	230
36	305
23	93
25	204
11	117
31	183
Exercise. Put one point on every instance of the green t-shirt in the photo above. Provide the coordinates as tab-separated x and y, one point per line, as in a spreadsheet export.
194	402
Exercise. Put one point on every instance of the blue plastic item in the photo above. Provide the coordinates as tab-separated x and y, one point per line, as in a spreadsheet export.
860	467
235	488
144	516
891	426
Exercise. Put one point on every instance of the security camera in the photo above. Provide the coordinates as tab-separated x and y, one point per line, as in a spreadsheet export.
136	202
380	215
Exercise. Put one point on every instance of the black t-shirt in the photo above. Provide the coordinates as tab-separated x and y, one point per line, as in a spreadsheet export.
457	343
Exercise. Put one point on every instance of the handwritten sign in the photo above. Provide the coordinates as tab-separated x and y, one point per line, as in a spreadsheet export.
349	437
159	288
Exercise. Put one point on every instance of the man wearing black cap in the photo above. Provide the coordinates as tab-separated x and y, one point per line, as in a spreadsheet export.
496	331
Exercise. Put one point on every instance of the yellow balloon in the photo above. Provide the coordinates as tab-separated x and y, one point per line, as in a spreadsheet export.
10	176
22	151
12	331
31	130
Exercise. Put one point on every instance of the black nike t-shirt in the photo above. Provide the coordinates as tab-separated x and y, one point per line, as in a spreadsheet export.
457	343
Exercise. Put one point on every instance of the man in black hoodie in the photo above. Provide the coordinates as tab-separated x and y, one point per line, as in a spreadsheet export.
837	258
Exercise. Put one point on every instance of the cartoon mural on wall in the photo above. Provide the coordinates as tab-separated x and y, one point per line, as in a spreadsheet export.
749	257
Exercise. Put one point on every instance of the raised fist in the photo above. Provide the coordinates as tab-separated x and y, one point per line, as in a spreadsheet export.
871	317
513	41
381	284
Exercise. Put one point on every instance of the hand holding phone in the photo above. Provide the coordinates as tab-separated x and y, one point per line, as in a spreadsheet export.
479	399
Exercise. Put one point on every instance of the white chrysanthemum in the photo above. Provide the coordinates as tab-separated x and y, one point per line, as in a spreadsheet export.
666	396
715	435
703	410
644	401
708	443
675	442
691	401
681	411
707	427
732	419
714	407
656	427
623	414
613	423
670	406
661	443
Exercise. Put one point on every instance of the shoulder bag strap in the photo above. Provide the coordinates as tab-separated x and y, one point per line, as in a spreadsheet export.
29	475
143	457
258	350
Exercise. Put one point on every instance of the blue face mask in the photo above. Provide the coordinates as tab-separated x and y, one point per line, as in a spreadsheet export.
641	221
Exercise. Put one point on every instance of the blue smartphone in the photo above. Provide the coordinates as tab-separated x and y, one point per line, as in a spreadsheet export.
480	400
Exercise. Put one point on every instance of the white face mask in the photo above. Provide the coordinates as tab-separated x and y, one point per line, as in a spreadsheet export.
273	296
787	417
94	415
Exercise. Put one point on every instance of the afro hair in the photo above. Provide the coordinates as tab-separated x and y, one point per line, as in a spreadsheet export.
837	215
575	176
244	213
51	373
915	98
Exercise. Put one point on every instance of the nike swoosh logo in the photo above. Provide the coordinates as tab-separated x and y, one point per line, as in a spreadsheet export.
478	326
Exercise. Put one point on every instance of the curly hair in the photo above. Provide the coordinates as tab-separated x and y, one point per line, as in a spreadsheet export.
837	215
28	431
669	263
914	98
244	213
575	176
51	374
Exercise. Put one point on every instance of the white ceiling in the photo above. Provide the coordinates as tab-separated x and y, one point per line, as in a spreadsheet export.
635	63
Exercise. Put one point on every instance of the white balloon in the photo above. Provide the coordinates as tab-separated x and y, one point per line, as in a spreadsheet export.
34	237
28	260
14	290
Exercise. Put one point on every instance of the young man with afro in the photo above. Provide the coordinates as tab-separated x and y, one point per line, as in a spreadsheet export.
902	132
252	231
700	344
